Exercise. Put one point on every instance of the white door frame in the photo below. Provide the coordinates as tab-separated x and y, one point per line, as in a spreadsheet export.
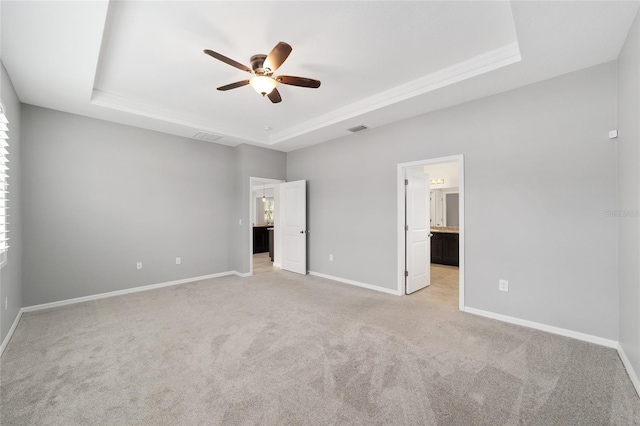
252	182
402	167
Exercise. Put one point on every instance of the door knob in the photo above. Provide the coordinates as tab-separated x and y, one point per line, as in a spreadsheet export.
430	235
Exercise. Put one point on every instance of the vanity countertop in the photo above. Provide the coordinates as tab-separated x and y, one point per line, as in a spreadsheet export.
446	229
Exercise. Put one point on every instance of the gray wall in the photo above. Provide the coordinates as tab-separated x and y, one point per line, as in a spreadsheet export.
11	274
629	194
250	161
100	196
539	174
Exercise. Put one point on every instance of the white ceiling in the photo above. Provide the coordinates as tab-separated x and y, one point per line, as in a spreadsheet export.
141	63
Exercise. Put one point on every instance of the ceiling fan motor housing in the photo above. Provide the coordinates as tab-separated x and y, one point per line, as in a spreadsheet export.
257	64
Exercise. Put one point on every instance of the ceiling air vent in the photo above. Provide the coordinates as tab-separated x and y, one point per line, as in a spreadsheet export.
204	136
358	128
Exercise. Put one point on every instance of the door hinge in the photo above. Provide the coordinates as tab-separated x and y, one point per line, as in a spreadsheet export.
406	227
406	273
406	181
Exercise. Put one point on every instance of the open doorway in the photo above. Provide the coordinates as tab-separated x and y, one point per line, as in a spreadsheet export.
431	229
264	241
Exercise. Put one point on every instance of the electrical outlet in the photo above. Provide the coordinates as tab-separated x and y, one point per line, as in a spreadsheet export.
503	285
6	303
239	221
178	260
139	265
330	258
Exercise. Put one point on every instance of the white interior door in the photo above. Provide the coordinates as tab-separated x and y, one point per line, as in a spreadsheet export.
293	201
418	231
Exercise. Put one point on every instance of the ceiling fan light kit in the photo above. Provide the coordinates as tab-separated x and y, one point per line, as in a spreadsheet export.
263	84
262	69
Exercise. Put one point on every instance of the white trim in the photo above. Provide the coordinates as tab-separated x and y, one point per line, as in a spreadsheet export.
143	109
483	63
277	265
5	342
122	292
480	64
544	327
242	274
630	371
402	167
356	283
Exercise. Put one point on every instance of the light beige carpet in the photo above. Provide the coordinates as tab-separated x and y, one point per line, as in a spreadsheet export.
281	349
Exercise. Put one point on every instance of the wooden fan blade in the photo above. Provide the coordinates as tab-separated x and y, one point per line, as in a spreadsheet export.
228	60
298	81
234	85
277	56
274	96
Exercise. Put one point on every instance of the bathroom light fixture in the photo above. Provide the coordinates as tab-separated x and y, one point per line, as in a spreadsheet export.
264	199
436	181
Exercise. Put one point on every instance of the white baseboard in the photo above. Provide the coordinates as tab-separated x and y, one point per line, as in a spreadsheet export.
356	283
277	265
544	327
121	292
242	274
5	342
630	371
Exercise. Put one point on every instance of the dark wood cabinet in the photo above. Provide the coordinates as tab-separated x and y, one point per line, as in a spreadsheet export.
270	233
436	248
451	249
445	249
260	239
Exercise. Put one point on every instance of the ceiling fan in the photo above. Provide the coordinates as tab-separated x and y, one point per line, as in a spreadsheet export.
262	69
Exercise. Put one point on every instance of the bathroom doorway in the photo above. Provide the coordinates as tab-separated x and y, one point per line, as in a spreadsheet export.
264	241
443	262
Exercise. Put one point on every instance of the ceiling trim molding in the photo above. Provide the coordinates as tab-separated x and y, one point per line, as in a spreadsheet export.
131	106
475	66
470	68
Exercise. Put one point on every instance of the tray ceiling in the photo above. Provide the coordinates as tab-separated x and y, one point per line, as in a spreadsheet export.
141	63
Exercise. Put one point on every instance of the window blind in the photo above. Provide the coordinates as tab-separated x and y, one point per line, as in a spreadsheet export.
4	185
